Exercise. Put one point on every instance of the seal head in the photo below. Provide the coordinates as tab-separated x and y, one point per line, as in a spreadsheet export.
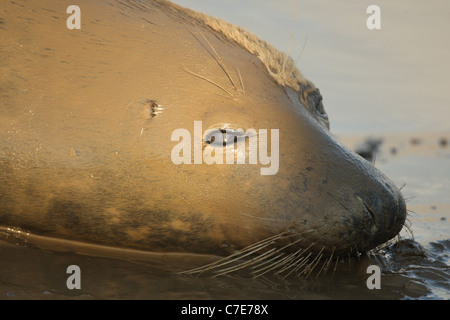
86	150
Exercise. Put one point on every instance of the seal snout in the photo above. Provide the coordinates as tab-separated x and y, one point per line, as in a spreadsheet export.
385	211
362	208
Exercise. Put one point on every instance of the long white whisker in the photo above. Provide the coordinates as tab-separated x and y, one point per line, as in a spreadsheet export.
292	39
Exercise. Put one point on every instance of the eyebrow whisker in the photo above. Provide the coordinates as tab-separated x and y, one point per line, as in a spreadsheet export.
210	81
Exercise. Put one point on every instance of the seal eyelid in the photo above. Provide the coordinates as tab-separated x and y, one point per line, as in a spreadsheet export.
318	105
320	109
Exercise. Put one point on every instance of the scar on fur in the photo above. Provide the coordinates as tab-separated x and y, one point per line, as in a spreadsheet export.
212	51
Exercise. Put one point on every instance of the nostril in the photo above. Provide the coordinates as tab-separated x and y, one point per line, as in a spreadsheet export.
372	214
369	211
387	212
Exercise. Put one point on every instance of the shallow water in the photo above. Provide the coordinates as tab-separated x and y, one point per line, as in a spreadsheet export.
378	94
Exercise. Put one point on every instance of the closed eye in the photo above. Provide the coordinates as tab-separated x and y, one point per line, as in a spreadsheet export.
315	99
222	137
319	106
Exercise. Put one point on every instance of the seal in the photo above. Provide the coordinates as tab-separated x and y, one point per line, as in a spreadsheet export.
86	123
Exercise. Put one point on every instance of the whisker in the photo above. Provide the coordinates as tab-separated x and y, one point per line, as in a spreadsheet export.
335	267
246	263
274	254
297	265
210	81
226	97
314	263
298	58
408	226
326	264
280	262
260	257
240	79
227	260
270	267
239	254
293	264
291	41
218	59
305	260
